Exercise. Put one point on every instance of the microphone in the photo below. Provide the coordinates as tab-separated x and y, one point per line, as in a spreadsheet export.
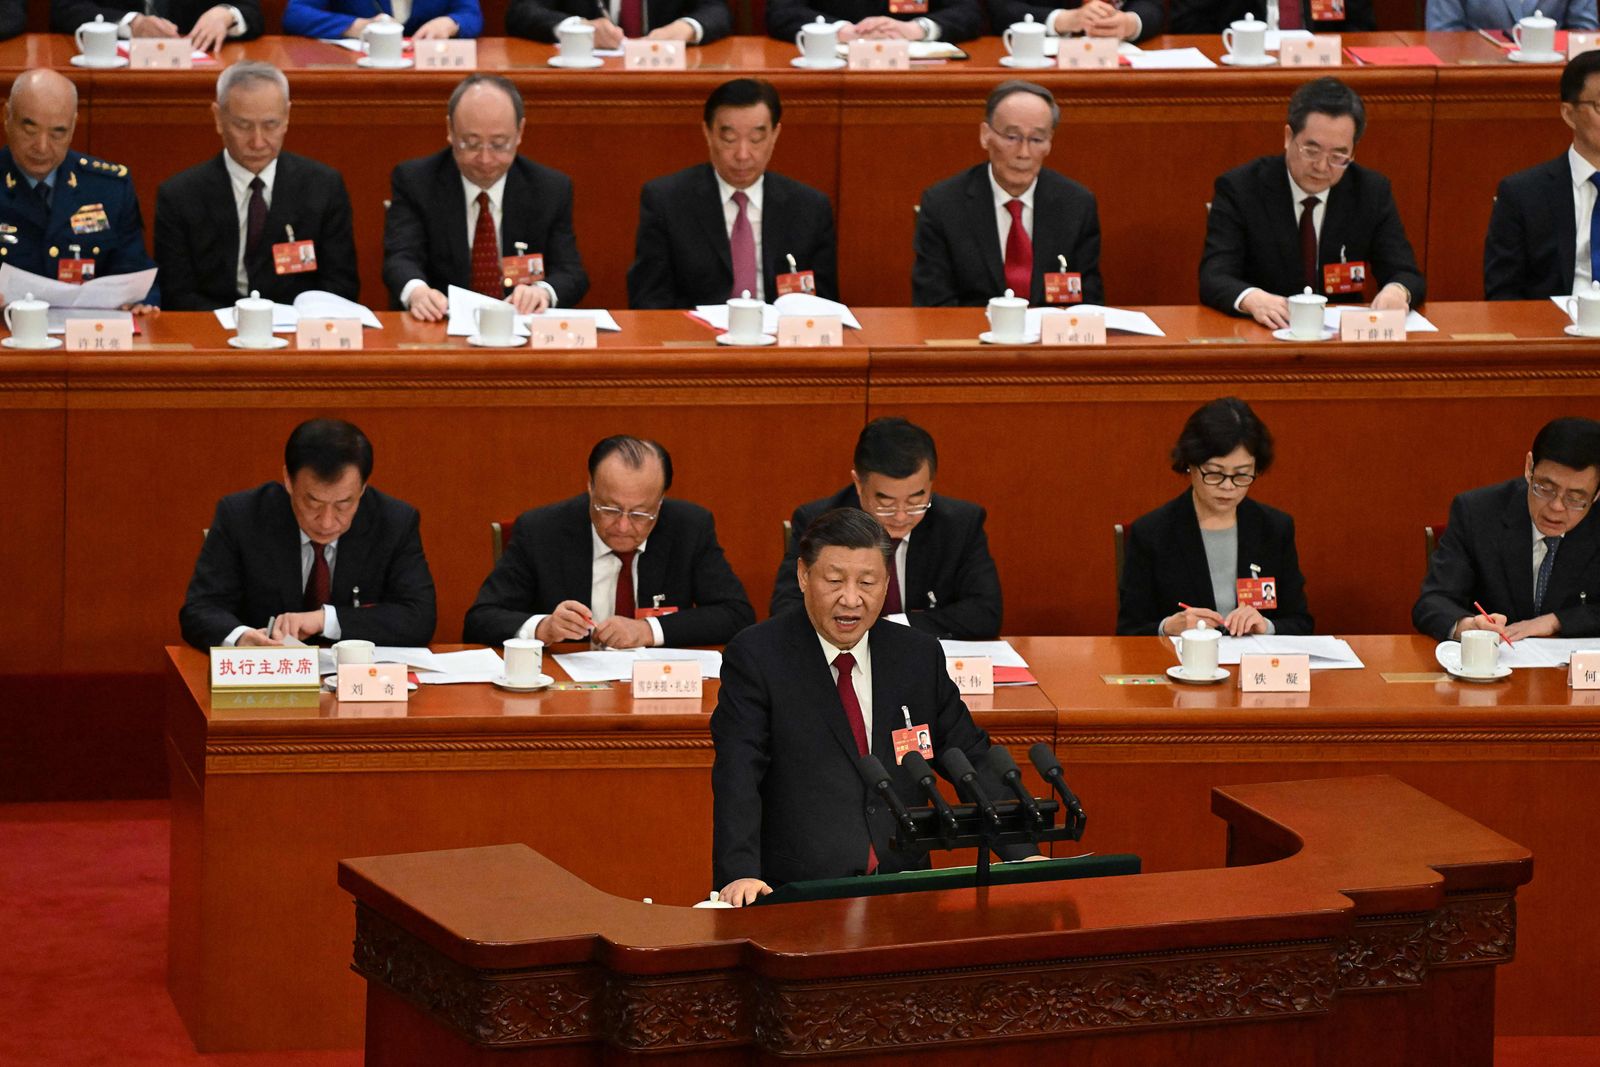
949	830
958	767
999	761
1045	762
877	780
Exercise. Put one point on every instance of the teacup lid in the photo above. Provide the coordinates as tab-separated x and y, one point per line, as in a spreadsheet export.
1201	632
1250	21
28	303
1538	18
254	300
1308	297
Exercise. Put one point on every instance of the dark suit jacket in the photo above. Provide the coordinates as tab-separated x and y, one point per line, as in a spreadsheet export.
681	257
1253	234
425	230
538	19
67	15
948	557
1533	235
1486	555
550	558
14	18
1152	18
1166	564
249	570
958	20
1213	16
958	241
787	803
330	18
197	235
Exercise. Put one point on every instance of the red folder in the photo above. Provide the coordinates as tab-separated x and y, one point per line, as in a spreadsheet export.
1380	56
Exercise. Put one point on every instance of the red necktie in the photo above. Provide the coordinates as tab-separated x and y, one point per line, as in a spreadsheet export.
632	15
319	586
891	601
624	602
1308	242
742	246
1019	255
486	275
845	664
1289	15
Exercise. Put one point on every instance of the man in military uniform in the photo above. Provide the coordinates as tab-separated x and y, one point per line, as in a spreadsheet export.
64	215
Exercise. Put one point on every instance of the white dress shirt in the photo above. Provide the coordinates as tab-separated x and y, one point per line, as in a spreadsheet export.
330	616
752	211
613	11
241	179
1583	197
1297	198
497	193
1002	214
860	675
604	570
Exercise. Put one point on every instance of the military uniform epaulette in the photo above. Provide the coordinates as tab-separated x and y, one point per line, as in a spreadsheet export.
103	166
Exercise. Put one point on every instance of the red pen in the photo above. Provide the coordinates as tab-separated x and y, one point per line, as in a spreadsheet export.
1485	616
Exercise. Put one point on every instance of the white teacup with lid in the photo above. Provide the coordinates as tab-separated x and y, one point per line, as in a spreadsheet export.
28	320
1305	315
384	39
1535	35
1246	40
818	42
745	317
1198	651
253	320
1584	307
1025	42
97	41
1008	318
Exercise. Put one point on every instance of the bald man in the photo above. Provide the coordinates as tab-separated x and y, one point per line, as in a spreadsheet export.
63	214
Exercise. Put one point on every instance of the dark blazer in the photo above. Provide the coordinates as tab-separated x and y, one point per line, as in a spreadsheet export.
958	20
550	558
249	570
1486	555
197	235
1253	234
14	18
538	19
1213	16
959	261
425	230
1166	564
1533	235
947	559
67	15
681	257
787	803
1151	16
330	18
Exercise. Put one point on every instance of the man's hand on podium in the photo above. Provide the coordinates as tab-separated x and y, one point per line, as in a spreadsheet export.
742	891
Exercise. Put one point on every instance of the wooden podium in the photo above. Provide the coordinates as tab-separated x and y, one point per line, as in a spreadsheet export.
1358	920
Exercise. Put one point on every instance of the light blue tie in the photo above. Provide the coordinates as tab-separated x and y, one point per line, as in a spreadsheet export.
1548	565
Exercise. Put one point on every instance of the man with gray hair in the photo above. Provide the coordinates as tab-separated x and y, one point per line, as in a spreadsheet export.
1009	224
253	217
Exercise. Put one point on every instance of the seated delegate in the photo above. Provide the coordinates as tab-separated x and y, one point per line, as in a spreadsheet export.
422	19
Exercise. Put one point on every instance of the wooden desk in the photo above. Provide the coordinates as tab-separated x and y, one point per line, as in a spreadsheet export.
266	801
1346	954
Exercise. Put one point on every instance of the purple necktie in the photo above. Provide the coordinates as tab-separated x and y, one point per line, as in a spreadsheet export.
742	243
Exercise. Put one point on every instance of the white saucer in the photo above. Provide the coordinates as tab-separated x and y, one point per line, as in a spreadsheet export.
1517	55
588	63
274	342
988	338
1448	653
483	342
1238	61
766	339
99	64
1024	64
541	682
1177	674
49	342
1285	335
383	64
1571	330
827	64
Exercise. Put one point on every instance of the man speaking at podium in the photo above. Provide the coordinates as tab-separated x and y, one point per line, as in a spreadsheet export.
801	696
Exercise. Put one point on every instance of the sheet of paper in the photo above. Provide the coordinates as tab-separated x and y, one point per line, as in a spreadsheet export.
1415	321
902	618
1116	319
349	44
1169	59
419	658
1326	653
1275	38
1000	651
470	661
56	318
716	315
321	304
284	318
1545	651
1561	302
603	319
440	678
616	665
919	50
105	293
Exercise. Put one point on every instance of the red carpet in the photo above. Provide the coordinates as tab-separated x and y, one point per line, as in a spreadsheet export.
83	927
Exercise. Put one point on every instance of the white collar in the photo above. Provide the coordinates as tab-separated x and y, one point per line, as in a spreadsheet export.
305	539
495	191
726	191
1582	169
831	651
601	549
1300	194
1002	198
240	177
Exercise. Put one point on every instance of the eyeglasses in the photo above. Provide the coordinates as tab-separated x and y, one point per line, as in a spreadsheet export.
1013	139
497	148
1315	153
1592	105
612	512
1571	501
1218	477
910	511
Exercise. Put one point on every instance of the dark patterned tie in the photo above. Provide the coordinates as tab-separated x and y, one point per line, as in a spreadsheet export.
845	663
319	586
487	277
1548	565
742	247
255	218
623	606
1308	242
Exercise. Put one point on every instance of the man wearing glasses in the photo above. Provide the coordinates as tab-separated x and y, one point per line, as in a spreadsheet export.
1308	219
479	216
1541	241
1521	549
943	579
621	564
1009	223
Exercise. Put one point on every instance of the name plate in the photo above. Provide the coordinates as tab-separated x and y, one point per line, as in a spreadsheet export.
1274	674
369	683
161	53
1584	670
555	332
333	334
654	55
446	55
880	55
1322	50
1072	328
972	674
1364	324
1087	53
1578	43
661	679
99	335
810	331
264	668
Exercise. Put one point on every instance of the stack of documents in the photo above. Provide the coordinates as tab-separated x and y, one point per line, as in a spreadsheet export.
616	664
1009	666
1545	651
1326	653
716	315
445	668
464	304
311	304
1415	322
1116	319
107	293
1169	59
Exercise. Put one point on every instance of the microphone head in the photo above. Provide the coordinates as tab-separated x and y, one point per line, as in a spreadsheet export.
871	770
1044	760
955	763
918	766
1000	762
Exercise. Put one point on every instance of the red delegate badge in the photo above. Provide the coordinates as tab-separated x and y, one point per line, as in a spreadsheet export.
294	257
1258	593
1327	10
522	268
1344	277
